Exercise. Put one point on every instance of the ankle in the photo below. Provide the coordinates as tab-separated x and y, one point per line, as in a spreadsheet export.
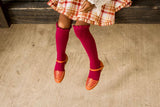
95	64
61	57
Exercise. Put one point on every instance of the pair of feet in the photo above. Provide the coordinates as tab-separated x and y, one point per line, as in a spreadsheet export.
90	83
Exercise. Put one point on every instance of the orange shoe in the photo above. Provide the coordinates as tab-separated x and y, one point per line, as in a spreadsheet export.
59	75
91	83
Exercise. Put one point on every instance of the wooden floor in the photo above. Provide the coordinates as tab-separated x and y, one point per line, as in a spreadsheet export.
130	78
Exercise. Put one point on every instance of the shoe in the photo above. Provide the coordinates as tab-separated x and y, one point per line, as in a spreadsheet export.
59	75
91	83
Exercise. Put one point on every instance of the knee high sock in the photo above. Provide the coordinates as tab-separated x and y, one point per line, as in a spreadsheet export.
88	42
61	36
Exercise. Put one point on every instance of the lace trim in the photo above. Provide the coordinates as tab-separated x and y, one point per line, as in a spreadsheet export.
98	4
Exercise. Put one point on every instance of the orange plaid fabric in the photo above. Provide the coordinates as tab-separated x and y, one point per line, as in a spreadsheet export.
106	17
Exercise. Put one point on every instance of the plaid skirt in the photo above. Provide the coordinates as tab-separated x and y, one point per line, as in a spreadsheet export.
70	8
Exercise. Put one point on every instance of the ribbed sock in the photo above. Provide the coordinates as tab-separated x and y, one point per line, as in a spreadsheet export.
88	42
61	36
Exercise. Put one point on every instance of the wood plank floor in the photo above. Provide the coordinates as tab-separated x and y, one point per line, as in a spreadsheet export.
130	78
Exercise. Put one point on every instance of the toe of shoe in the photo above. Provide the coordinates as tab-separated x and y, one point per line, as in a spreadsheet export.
58	75
91	83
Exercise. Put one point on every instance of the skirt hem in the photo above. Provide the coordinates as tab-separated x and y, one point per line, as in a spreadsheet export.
60	10
128	4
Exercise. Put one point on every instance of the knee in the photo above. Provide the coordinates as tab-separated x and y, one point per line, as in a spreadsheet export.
78	22
64	22
64	25
82	29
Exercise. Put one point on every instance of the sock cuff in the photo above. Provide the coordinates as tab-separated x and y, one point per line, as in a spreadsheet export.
81	27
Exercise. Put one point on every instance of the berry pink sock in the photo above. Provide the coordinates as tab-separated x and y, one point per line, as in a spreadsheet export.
88	42
61	36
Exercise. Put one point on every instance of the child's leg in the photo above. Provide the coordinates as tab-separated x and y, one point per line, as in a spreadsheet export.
63	26
81	30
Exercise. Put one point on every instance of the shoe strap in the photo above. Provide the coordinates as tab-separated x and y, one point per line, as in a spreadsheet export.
62	61
98	68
